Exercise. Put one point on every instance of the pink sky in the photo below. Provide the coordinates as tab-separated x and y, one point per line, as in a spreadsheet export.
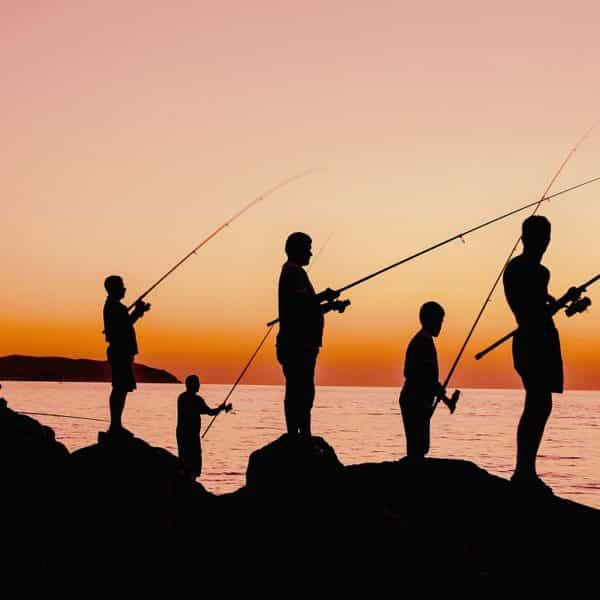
133	129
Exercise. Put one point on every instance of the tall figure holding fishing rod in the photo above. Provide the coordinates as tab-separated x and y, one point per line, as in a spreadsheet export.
536	344
300	333
122	347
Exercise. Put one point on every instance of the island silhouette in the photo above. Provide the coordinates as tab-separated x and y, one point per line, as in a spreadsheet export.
57	368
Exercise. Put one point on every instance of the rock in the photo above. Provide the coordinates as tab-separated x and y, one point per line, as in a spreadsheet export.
134	501
290	462
32	471
124	510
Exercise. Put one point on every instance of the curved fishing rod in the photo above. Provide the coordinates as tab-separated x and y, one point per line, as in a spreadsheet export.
455	237
497	280
256	200
260	345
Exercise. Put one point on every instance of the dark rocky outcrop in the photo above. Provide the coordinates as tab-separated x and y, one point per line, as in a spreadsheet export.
293	463
33	466
122	508
56	368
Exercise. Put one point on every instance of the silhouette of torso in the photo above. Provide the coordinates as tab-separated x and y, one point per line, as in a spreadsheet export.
189	408
526	289
118	329
300	316
421	371
536	344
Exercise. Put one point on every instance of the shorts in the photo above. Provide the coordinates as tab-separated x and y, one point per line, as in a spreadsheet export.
122	371
537	359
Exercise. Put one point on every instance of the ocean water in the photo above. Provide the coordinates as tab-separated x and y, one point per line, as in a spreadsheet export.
362	425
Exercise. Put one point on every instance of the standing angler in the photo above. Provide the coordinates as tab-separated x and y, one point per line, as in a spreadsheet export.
122	347
189	408
421	385
536	345
300	332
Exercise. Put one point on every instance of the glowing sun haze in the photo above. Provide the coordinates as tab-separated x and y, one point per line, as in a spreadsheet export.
133	129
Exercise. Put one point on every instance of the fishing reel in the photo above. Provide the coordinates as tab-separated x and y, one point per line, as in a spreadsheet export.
578	306
452	401
449	402
337	305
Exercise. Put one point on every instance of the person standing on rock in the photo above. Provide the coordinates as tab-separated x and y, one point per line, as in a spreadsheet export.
536	345
122	347
190	406
300	333
421	385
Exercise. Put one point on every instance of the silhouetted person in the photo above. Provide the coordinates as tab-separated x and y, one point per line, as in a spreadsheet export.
421	385
300	333
536	345
122	347
189	408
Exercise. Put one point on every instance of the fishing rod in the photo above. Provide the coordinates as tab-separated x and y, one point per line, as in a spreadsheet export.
62	416
260	345
458	236
238	214
487	300
571	302
246	367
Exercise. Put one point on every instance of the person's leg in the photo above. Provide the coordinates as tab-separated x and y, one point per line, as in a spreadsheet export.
538	406
307	387
414	431
304	421
408	429
123	382
426	428
290	401
117	404
286	359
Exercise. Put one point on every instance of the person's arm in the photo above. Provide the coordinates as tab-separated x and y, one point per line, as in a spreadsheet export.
139	309
571	295
207	410
327	295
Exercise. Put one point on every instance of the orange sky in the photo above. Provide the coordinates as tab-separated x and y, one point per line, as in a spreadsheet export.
131	130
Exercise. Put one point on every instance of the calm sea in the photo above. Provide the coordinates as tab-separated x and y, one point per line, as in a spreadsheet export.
362	424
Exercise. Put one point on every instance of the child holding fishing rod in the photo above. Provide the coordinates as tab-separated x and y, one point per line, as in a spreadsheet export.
421	385
190	407
122	347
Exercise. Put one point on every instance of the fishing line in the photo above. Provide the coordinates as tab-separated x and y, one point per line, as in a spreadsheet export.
61	416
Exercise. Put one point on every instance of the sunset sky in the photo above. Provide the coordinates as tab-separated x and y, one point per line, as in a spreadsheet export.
131	130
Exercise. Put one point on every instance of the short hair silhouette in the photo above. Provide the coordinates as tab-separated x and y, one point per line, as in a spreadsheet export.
534	228
430	311
113	283
296	242
192	382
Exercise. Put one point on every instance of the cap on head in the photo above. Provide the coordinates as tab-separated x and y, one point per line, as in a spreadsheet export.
192	382
297	242
113	283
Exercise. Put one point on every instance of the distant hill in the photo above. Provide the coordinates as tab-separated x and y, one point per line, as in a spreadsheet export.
56	368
